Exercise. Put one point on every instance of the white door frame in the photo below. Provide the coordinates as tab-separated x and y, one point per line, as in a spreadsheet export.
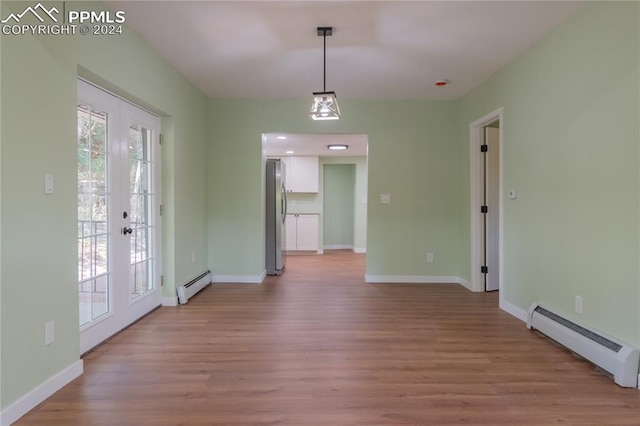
477	139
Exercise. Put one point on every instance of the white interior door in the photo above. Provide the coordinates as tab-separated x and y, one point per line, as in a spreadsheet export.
492	194
119	264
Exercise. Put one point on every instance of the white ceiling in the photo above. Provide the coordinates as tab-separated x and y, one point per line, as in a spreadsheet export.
379	49
314	144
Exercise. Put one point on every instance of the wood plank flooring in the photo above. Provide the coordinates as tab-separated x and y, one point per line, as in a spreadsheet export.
318	346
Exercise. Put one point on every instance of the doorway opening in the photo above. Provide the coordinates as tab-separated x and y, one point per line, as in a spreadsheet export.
486	149
339	190
325	197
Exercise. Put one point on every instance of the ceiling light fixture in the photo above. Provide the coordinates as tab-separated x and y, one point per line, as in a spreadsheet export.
338	147
290	152
325	104
281	137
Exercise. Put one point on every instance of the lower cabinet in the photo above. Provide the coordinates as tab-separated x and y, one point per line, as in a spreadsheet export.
301	232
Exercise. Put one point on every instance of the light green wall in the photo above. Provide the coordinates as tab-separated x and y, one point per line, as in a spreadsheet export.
412	155
571	149
339	191
38	232
38	133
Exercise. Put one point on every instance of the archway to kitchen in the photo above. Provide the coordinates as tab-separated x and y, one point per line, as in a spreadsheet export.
324	201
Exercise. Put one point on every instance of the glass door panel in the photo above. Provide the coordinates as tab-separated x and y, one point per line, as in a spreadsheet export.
141	199
93	199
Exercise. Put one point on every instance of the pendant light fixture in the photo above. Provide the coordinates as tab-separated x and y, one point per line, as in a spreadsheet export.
325	104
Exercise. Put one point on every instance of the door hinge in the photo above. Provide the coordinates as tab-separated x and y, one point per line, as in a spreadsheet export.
484	209
161	209
161	280
484	270
484	148
161	139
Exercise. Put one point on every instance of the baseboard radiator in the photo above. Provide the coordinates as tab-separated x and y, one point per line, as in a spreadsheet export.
186	292
618	359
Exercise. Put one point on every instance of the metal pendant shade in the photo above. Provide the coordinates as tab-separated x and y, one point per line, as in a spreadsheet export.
325	104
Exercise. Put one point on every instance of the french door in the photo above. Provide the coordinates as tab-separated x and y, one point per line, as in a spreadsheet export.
119	248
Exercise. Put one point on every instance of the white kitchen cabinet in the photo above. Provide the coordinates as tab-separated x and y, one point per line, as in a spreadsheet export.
307	232
290	232
301	232
301	174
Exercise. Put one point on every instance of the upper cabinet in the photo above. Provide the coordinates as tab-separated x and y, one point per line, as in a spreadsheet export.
301	174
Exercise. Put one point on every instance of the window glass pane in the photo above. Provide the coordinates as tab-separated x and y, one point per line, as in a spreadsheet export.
98	132
139	278
84	125
98	173
135	142
100	251
139	210
99	208
100	299
139	177
84	207
139	245
86	261
84	293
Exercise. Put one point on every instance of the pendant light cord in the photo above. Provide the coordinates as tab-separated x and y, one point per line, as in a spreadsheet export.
324	75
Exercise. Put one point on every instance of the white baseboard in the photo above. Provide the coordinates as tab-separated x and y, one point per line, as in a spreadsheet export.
359	250
22	406
320	251
339	247
465	283
412	279
170	301
521	314
246	279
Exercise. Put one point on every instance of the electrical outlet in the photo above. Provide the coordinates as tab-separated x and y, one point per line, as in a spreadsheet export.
429	257
385	198
49	333
578	304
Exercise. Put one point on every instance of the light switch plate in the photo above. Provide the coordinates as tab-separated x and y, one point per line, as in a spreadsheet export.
49	333
385	198
513	194
48	184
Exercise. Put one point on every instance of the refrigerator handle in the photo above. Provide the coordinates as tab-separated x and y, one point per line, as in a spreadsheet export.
285	205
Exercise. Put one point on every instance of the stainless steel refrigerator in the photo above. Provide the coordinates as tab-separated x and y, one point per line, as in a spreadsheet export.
276	204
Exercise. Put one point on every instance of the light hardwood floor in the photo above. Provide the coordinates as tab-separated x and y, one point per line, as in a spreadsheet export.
318	346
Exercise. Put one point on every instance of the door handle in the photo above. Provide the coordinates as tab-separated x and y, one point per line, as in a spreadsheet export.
285	201
126	231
